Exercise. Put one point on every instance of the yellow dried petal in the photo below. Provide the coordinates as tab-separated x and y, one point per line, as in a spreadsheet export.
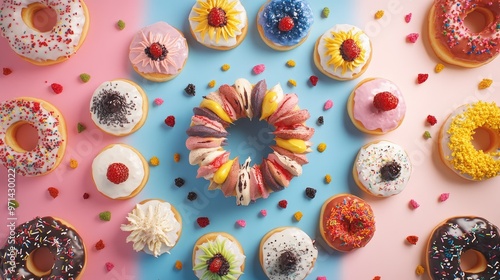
292	82
420	270
211	84
379	14
485	83
298	215
73	163
328	178
321	147
439	67
154	161
178	265
177	157
290	63
225	67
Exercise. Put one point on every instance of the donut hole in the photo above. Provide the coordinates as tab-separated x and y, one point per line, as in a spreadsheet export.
39	17
478	19
250	138
22	137
40	262
472	261
484	139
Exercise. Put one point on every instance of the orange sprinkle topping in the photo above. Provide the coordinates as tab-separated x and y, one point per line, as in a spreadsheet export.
177	157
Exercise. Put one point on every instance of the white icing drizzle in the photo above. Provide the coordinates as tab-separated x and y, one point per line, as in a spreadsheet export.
153	227
132	112
61	41
118	153
373	157
243	184
294	240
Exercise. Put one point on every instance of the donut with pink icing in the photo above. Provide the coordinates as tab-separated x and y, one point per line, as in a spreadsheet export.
51	131
158	52
376	106
454	42
44	32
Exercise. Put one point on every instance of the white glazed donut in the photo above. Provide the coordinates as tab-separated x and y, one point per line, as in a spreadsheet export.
51	129
382	168
44	48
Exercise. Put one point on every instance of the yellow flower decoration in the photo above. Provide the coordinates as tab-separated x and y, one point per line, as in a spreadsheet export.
333	49
226	31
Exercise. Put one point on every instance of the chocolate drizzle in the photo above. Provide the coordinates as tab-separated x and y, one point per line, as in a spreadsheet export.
111	107
63	242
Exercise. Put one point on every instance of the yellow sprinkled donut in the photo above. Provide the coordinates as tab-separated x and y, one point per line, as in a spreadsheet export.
457	149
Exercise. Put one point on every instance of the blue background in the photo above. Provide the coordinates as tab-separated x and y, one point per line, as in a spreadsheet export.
204	65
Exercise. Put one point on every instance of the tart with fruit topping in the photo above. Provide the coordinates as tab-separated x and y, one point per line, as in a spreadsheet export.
284	25
218	255
119	171
218	24
158	52
343	52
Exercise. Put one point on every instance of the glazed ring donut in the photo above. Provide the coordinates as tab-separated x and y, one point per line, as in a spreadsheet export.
451	238
18	259
458	151
207	136
346	222
453	42
44	32
284	25
51	128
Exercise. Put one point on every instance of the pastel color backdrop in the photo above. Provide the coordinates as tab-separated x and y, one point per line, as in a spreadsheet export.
104	56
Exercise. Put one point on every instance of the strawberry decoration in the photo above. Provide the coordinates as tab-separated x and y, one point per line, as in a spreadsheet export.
156	51
170	121
286	24
385	101
218	265
422	78
117	173
203	221
349	50
57	88
314	80
431	120
217	17
283	203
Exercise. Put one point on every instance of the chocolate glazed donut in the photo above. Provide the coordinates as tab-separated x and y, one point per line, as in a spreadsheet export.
63	242
450	239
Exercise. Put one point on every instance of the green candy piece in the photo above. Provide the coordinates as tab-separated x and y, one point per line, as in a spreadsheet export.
84	77
105	216
427	135
326	12
81	127
120	24
13	203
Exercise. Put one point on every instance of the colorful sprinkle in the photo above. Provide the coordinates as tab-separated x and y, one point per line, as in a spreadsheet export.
408	18
192	196
177	157
298	216
290	63
259	68
13	203
109	266
321	147
379	14
420	270
178	265
283	203
412	239
427	135
414	204
99	245
263	212
170	121
84	77
56	88
86	196
158	101
310	192
485	83
105	216
328	178
203	221
154	161
241	223
212	84
73	163
439	67
314	80
422	78
292	82
179	182
80	127
412	37
325	12
53	192
7	71
320	120
431	120
225	67
120	24
443	197
328	105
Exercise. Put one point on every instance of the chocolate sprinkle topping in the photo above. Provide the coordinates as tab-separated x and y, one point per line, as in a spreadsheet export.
111	107
287	262
390	171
